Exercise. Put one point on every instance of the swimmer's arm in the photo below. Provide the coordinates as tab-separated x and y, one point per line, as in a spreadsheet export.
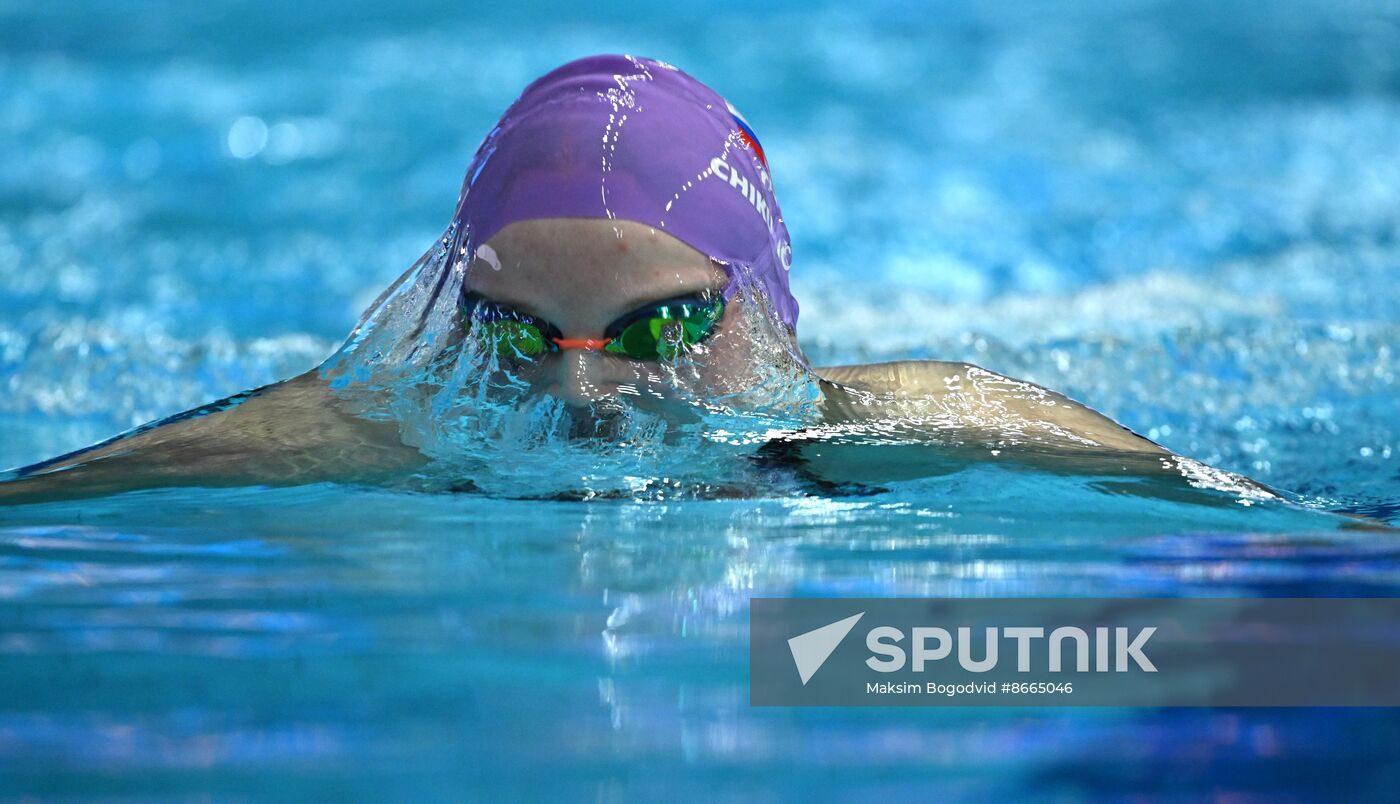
289	433
970	398
971	415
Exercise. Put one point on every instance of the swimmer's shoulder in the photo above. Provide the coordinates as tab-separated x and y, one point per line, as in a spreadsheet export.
968	395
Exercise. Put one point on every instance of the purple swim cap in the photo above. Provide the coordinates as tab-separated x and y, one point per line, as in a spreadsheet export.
625	138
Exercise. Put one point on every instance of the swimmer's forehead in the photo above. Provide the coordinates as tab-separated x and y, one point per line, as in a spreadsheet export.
552	261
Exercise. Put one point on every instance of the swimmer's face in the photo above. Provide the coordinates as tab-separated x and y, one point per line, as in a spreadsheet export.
582	275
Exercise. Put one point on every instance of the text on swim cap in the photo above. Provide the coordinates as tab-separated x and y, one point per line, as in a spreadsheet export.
749	190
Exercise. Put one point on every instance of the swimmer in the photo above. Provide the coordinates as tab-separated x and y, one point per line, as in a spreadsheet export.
617	242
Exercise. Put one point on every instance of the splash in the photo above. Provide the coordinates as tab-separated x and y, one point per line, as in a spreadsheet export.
486	425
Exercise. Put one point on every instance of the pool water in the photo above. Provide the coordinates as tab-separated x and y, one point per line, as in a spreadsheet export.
1184	215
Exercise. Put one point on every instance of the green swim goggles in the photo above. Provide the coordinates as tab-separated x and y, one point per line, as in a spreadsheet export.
661	330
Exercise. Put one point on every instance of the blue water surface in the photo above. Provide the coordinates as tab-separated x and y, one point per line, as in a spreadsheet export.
1182	214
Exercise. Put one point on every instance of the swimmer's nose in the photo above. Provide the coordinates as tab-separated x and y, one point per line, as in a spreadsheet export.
579	381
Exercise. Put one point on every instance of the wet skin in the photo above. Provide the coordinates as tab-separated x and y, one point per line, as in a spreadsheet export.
583	274
881	422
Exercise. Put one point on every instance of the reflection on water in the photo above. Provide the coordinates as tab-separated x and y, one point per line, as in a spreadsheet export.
280	637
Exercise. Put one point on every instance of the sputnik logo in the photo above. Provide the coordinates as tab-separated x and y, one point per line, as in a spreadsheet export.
811	650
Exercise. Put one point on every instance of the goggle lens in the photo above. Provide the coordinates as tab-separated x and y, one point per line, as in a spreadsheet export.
512	340
668	332
663	332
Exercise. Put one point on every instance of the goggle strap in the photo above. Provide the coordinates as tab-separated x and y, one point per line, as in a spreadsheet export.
586	344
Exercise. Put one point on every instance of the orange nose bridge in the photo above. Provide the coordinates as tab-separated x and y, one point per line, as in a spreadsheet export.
587	344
